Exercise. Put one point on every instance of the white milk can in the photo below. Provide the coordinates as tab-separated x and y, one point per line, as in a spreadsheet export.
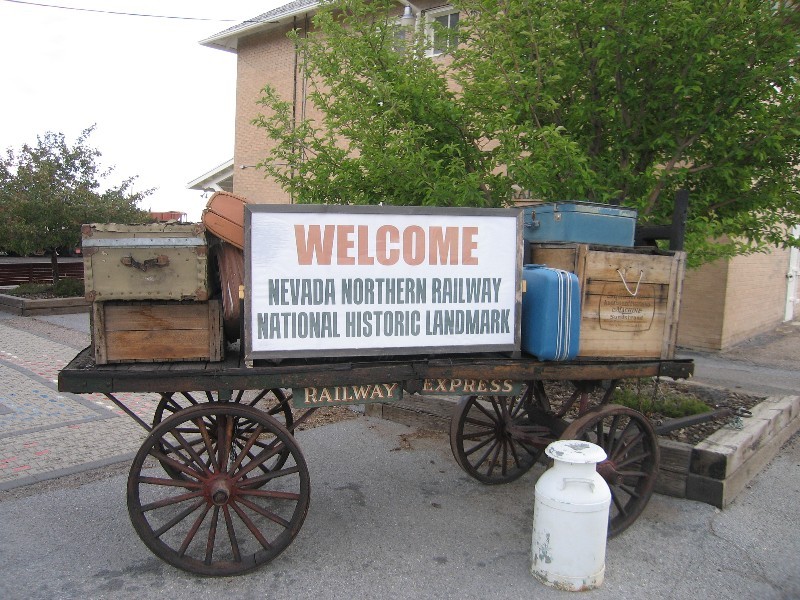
570	518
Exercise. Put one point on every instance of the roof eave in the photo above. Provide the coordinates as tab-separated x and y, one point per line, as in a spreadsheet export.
229	40
217	173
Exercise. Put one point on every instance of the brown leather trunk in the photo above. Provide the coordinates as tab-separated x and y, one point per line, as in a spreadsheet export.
224	217
230	267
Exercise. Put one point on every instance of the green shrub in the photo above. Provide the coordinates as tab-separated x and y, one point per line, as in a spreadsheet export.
65	288
29	289
68	288
670	405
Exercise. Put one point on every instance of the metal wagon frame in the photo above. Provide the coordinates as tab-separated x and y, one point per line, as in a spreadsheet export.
220	485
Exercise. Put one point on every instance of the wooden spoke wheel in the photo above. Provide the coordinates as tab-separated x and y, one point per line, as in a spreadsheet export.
631	468
568	399
273	402
497	439
226	515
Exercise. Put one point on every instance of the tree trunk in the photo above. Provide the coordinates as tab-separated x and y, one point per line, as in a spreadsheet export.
54	265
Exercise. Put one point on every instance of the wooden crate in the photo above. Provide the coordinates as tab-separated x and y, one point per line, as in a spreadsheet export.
158	261
156	331
630	297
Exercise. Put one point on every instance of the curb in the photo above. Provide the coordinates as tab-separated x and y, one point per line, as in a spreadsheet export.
72	470
27	307
722	465
714	471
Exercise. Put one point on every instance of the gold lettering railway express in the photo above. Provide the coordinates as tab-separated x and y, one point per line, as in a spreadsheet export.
349	394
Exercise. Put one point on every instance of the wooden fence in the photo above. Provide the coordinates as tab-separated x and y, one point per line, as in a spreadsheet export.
40	272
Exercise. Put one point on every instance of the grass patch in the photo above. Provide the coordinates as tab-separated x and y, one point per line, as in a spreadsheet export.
669	404
65	288
28	289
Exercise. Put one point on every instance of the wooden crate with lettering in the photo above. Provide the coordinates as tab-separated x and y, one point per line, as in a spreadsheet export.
630	297
157	261
157	331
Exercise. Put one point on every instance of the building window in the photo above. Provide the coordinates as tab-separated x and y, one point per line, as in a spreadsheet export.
442	31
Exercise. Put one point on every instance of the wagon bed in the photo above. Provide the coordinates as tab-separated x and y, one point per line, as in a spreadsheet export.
83	376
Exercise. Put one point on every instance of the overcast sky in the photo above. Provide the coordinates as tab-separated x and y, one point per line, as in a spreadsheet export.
163	105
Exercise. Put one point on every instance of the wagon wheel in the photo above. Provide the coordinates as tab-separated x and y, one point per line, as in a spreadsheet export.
497	439
584	395
274	402
631	468
220	519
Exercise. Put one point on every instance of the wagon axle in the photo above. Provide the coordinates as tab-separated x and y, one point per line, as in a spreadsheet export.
219	490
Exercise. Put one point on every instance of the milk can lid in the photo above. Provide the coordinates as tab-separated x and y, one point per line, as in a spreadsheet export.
576	452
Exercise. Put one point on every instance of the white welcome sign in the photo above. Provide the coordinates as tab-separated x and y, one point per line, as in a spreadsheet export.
368	280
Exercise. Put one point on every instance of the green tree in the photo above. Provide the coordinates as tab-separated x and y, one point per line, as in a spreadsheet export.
49	190
615	102
627	102
393	130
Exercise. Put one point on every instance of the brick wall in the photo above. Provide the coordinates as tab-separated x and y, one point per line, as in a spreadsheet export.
262	58
703	307
723	303
726	302
756	295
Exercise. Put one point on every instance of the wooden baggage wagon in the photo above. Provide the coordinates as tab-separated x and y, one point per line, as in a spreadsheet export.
230	486
220	484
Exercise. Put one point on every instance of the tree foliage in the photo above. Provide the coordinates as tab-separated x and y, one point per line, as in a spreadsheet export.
629	101
615	102
392	130
48	190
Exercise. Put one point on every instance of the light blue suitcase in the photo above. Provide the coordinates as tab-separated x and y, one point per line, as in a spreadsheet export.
581	222
551	313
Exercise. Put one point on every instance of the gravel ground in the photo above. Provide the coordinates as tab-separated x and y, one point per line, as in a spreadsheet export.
658	389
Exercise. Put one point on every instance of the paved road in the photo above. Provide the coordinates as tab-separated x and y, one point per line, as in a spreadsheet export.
391	516
764	365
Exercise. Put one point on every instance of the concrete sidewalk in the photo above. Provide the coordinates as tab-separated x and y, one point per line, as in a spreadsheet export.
44	433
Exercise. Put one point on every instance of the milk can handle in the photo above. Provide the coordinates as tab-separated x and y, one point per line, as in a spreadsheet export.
625	283
566	480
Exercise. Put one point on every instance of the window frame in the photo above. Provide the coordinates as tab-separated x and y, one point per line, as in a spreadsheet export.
432	30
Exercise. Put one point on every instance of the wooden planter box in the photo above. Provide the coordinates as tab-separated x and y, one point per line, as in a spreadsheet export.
159	261
156	331
630	297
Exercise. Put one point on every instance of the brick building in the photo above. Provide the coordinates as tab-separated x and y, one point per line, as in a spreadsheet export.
723	303
726	302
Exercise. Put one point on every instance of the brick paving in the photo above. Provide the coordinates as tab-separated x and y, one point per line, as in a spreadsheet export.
44	433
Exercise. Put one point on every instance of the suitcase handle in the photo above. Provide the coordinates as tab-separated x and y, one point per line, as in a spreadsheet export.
158	261
625	283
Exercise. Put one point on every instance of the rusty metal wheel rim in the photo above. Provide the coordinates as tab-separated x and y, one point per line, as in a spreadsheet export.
219	519
273	402
631	468
486	437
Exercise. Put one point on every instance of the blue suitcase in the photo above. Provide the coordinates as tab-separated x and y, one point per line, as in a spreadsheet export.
581	222
551	313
